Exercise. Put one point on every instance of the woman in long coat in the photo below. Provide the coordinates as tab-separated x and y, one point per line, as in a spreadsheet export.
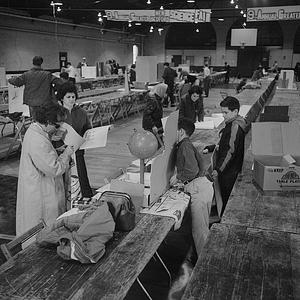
40	186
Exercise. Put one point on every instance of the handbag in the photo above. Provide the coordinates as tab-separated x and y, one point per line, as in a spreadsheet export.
122	209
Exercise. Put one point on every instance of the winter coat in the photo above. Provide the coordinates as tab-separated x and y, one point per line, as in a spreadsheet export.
82	235
40	185
37	86
230	154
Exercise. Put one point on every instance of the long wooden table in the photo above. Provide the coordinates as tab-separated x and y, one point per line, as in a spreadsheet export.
39	273
254	253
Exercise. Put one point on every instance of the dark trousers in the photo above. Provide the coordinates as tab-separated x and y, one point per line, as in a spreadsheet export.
206	85
226	181
226	78
170	94
85	187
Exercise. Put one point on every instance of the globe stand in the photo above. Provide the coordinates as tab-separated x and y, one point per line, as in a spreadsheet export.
142	171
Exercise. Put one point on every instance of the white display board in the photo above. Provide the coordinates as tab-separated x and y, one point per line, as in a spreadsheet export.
15	100
286	80
146	68
89	72
243	37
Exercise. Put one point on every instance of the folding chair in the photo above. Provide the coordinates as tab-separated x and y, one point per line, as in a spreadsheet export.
11	248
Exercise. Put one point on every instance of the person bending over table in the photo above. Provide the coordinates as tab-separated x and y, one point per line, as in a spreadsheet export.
153	111
191	106
230	149
40	185
76	117
190	174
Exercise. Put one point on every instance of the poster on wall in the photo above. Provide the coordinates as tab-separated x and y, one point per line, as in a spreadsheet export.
275	13
15	100
160	15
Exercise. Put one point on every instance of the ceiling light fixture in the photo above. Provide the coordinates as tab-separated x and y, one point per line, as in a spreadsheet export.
139	24
99	14
161	8
244	24
244	15
241	12
149	2
221	19
58	9
231	2
236	6
190	1
100	19
197	30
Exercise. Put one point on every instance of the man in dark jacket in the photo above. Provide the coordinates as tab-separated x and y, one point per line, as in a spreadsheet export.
38	85
191	106
230	151
169	76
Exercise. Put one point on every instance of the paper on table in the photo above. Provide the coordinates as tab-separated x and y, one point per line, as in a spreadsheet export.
217	115
15	100
135	178
205	125
217	120
95	137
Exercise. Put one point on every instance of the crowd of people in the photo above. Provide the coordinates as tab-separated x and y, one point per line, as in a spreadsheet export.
41	188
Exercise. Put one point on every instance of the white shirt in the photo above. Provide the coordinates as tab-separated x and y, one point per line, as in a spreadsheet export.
206	72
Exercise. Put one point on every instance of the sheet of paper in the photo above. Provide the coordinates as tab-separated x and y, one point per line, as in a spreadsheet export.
72	138
217	120
15	100
95	137
244	110
205	125
217	115
164	121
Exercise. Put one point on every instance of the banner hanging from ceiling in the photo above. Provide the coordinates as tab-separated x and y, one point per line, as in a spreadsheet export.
275	13
160	15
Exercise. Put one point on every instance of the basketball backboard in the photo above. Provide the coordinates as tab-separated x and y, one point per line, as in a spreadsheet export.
243	37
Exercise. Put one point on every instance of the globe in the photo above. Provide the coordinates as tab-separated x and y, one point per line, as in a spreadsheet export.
142	144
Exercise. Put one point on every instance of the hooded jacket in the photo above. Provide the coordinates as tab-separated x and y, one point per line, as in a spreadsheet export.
231	146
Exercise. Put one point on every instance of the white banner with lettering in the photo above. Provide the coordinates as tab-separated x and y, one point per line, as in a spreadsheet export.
273	13
160	15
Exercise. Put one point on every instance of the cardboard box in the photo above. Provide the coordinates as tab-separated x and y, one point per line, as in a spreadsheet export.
271	141
279	113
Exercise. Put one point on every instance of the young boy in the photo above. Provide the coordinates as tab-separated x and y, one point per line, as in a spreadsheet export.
230	152
190	172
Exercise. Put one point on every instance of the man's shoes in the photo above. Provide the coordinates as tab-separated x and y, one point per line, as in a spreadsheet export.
178	287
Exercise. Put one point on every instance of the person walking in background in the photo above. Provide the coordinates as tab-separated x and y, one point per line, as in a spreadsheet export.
82	63
153	112
227	69
40	184
71	71
132	74
169	78
76	117
297	71
107	68
37	86
206	79
191	106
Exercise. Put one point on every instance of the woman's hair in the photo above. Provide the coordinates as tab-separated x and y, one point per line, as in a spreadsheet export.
195	89
67	87
49	114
